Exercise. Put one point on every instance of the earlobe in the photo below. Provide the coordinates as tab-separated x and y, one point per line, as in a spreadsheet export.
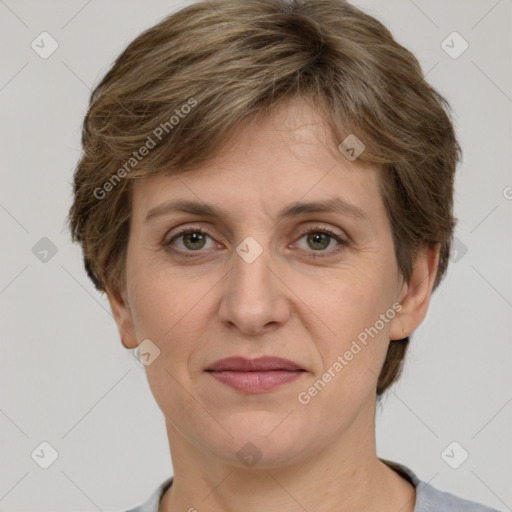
122	315
415	295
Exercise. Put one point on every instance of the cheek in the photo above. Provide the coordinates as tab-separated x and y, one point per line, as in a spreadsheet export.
159	296
348	308
166	307
170	311
346	303
172	308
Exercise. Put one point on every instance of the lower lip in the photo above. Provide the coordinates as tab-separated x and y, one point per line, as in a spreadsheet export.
256	382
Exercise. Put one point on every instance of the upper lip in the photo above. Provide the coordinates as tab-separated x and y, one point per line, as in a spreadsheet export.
260	364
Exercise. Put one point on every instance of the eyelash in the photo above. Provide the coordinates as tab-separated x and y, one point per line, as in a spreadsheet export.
317	229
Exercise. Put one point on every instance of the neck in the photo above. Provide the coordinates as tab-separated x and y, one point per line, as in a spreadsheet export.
345	475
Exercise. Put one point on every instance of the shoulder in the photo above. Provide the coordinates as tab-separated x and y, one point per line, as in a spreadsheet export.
430	499
153	502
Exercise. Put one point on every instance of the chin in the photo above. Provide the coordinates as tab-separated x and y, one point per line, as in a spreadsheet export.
262	440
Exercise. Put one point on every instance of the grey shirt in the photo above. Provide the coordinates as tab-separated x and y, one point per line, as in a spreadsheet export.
428	498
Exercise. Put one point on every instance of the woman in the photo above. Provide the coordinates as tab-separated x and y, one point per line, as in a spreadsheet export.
265	196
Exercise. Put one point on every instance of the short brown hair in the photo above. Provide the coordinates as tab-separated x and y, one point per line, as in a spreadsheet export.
230	61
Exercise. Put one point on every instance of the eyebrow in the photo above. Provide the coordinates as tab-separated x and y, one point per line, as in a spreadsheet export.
334	205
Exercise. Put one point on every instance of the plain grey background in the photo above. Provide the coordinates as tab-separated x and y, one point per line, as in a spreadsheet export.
65	378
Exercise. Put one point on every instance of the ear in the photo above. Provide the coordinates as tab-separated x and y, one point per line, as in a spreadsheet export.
123	317
415	295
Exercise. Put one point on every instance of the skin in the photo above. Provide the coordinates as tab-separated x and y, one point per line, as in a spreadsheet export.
319	456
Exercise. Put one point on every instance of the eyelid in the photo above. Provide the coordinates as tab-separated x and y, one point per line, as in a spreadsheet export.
342	240
324	228
183	231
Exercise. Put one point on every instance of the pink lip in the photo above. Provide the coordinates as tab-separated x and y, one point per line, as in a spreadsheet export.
255	375
260	364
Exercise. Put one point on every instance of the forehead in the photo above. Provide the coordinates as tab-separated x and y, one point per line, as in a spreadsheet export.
281	158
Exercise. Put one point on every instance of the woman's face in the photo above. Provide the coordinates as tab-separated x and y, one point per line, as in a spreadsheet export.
256	284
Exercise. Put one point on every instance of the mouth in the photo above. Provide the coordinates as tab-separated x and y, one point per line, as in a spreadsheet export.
255	375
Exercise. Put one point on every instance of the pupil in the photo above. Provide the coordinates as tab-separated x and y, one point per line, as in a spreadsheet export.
195	237
315	238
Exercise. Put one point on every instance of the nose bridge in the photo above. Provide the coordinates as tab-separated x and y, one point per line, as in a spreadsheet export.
251	276
252	296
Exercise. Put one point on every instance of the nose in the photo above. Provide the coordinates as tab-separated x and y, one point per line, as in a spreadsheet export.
255	299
